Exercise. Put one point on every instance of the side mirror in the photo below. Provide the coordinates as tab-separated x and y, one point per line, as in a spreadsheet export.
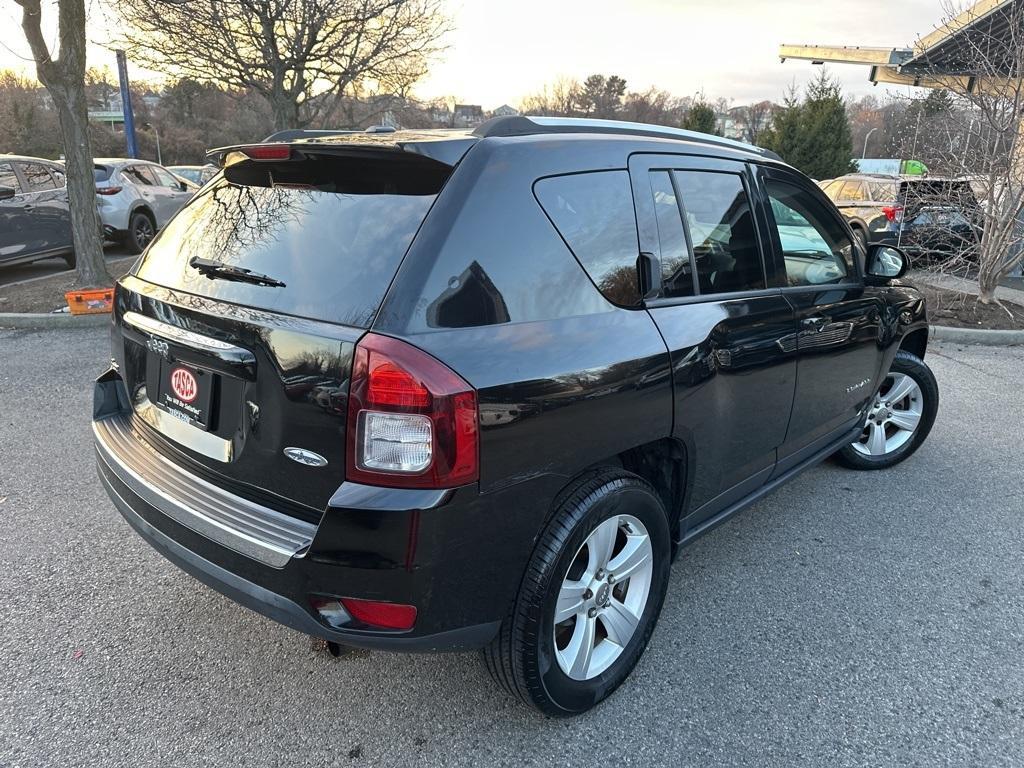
885	263
182	186
6	193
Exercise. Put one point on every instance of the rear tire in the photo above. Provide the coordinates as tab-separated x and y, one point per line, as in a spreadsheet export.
565	664
141	231
901	416
70	259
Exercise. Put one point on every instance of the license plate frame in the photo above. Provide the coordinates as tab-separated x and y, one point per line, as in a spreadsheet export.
195	411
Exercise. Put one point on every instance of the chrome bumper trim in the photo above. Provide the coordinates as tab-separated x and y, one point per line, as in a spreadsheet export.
243	526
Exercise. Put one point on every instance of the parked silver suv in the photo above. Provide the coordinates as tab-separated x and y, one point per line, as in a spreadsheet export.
136	198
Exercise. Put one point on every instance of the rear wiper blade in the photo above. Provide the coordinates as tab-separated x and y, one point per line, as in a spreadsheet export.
217	269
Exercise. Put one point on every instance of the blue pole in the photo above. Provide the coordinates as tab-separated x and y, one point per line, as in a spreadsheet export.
126	106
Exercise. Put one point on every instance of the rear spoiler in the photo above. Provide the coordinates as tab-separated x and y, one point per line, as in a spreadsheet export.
445	149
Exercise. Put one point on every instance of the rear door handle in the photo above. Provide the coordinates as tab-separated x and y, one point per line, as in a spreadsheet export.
814	323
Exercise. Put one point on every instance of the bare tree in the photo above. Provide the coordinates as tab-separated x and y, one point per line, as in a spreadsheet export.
976	130
564	98
655	106
64	78
755	119
304	56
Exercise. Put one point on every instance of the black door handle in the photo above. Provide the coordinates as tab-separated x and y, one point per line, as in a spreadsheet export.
646	266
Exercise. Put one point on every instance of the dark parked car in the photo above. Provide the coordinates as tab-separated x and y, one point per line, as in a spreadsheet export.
427	391
35	221
933	219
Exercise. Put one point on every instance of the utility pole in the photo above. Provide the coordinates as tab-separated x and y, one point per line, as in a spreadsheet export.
865	152
126	105
151	127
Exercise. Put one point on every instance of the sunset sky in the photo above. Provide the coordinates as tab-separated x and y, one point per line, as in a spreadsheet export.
502	50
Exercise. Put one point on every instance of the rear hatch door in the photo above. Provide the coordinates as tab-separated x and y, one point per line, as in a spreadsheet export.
236	330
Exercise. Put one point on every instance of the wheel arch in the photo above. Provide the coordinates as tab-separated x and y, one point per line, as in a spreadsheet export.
915	342
665	463
142	208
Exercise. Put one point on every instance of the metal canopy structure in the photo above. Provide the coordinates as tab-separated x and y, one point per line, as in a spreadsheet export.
936	60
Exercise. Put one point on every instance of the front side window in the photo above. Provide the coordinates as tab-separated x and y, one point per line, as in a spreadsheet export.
38	177
832	189
853	191
593	212
164	178
721	227
815	246
8	178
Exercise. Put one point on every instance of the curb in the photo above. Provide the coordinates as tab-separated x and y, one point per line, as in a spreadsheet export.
975	336
41	322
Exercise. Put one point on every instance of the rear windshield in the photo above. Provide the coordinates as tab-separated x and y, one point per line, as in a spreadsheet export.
332	229
101	172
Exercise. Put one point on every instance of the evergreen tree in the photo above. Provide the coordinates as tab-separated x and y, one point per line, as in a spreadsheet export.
701	118
814	135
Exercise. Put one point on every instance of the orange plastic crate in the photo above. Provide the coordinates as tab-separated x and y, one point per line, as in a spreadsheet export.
90	302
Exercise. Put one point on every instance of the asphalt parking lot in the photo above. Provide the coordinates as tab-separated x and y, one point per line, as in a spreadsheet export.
848	619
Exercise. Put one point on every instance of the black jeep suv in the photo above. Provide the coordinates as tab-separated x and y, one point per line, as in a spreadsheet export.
446	390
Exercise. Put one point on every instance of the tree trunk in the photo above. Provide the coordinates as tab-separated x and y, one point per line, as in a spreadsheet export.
85	223
64	78
286	112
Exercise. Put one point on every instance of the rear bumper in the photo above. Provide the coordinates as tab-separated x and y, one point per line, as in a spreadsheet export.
456	555
277	606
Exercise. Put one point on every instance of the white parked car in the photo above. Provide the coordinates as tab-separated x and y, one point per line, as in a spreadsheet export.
136	198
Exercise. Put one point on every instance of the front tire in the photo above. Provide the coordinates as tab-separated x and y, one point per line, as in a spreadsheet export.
590	598
900	417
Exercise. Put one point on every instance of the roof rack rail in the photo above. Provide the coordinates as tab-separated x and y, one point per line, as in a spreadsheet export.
527	125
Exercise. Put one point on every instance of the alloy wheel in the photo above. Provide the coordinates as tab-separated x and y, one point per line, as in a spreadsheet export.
602	597
143	231
894	416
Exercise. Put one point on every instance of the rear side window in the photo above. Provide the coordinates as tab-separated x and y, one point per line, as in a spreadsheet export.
721	227
593	212
882	192
8	178
676	266
38	177
140	175
332	229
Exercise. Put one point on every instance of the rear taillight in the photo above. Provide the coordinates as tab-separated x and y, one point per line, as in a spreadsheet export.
412	421
893	213
108	190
